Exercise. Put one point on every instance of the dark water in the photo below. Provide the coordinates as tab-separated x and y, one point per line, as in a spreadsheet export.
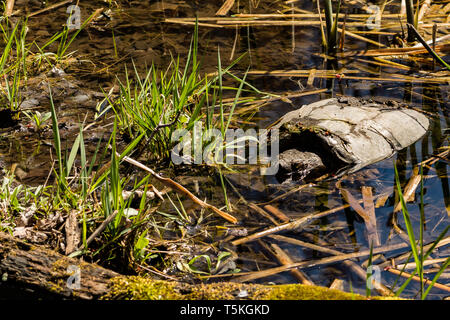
142	36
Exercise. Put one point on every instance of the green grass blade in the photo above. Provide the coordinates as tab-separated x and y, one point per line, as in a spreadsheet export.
57	142
436	277
7	49
408	223
236	99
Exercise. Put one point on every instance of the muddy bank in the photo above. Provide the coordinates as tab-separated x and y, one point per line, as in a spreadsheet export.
35	268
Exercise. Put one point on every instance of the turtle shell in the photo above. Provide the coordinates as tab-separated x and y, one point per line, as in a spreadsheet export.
350	134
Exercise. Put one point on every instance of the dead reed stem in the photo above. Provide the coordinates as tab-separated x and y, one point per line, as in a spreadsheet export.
417	279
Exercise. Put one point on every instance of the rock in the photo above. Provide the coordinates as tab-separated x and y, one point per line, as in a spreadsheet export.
81	98
29	103
297	165
346	134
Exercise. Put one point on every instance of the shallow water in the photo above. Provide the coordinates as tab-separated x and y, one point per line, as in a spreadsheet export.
141	36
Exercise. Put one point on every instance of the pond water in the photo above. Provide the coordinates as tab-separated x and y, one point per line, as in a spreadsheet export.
137	31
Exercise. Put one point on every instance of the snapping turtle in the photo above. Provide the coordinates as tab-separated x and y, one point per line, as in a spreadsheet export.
342	135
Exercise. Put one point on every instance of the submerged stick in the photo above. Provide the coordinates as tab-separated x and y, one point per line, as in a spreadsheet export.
284	259
350	264
416	278
286	226
410	189
51	7
293	224
262	212
367	213
313	263
277	213
371	225
305	264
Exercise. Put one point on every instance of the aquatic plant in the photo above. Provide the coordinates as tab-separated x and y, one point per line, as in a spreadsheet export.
331	23
417	250
78	188
64	39
13	64
18	198
177	98
38	119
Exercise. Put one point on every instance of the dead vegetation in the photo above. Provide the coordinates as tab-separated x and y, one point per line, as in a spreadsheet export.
198	224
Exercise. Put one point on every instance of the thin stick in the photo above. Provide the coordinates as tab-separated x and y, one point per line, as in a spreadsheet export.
412	265
287	193
54	6
395	77
435	158
100	228
277	213
293	224
404	256
416	278
287	226
263	213
179	188
349	264
284	259
392	51
193	23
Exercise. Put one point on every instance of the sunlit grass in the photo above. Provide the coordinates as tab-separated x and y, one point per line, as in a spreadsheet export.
417	247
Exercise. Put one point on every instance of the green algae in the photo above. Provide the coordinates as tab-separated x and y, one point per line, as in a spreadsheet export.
138	288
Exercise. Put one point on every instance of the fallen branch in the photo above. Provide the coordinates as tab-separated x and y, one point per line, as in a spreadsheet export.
179	188
44	274
35	267
286	226
349	264
367	213
313	263
371	225
300	222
